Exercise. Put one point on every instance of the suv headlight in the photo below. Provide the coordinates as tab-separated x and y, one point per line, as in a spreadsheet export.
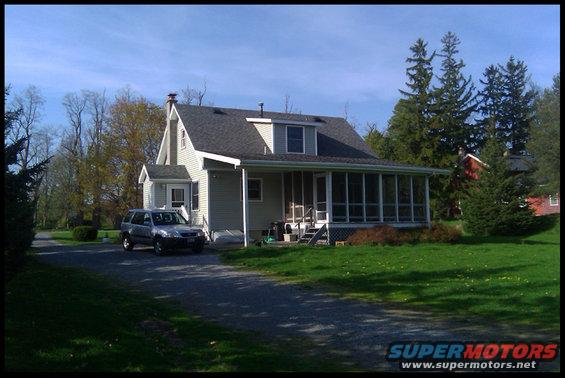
170	234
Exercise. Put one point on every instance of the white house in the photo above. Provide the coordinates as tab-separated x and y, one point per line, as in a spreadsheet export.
236	169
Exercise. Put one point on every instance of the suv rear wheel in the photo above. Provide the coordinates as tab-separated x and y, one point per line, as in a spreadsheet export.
158	247
127	243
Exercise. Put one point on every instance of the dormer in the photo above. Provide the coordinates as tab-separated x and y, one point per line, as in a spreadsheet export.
284	136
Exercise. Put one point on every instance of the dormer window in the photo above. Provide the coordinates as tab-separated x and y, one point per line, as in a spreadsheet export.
295	139
182	139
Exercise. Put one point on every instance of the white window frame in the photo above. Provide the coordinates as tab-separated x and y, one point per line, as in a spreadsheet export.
553	198
241	189
182	139
303	139
197	182
183	197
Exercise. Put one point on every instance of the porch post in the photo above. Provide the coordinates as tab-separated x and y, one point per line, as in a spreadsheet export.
381	205
329	216
396	198
427	188
245	208
411	199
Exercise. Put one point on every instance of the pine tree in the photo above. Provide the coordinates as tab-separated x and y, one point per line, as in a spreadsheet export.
544	143
410	124
455	98
490	107
495	204
517	106
19	203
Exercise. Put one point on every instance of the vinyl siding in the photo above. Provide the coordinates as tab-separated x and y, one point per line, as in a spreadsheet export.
309	139
160	195
226	206
266	132
146	193
187	156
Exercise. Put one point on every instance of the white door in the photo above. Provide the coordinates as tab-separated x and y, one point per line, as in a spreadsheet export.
320	197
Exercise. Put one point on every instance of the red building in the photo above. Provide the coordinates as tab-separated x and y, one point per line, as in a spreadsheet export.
548	204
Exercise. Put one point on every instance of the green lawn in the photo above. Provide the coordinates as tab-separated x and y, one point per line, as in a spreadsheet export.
506	279
60	319
66	237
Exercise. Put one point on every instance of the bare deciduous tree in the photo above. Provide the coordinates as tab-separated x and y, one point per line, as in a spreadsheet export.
30	103
192	96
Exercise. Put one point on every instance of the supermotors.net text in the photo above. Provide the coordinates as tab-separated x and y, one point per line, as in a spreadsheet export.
474	365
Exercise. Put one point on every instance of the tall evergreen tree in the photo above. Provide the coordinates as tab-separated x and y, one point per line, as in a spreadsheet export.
491	97
495	204
455	98
19	204
517	106
410	124
544	143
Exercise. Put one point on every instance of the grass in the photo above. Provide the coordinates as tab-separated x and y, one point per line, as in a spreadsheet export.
505	279
66	237
62	319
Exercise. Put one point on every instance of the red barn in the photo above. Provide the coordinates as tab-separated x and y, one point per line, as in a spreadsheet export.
548	204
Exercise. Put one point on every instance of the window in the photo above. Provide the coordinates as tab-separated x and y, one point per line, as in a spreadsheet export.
295	139
355	196
177	197
339	199
127	218
419	190
194	194
404	202
138	217
554	200
372	197
167	217
389	198
182	139
254	189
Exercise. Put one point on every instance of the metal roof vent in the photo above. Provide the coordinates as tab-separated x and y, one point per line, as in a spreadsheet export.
261	106
219	111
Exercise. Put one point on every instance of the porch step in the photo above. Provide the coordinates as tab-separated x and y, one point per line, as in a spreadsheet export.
314	235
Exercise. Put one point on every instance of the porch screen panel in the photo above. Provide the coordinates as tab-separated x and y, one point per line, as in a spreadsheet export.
372	197
308	195
287	177
355	193
404	205
419	189
338	197
389	198
297	190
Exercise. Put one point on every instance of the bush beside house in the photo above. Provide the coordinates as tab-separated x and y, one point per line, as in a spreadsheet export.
85	233
387	235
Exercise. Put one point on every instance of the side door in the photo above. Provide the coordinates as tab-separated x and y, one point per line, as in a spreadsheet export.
145	229
136	227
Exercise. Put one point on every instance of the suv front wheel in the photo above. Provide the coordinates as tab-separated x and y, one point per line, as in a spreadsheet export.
158	247
127	243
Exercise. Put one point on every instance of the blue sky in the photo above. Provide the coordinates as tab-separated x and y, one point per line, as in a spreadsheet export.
322	56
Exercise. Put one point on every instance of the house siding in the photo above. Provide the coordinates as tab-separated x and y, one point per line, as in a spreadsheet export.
266	132
187	156
160	195
146	193
309	139
225	203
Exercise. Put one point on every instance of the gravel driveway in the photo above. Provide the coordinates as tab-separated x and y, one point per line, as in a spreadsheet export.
247	300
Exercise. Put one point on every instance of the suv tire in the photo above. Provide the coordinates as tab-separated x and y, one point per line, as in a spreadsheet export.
158	247
127	244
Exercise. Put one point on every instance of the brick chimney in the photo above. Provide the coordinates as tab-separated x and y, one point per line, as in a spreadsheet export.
172	131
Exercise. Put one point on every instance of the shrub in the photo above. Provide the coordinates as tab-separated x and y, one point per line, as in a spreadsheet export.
379	235
440	233
85	233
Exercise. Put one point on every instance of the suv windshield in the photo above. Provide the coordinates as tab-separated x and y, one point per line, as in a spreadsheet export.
167	217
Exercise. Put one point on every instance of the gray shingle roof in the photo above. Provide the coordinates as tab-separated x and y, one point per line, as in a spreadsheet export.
225	131
167	172
520	163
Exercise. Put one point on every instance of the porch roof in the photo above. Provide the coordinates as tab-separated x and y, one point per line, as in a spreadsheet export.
160	172
321	162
